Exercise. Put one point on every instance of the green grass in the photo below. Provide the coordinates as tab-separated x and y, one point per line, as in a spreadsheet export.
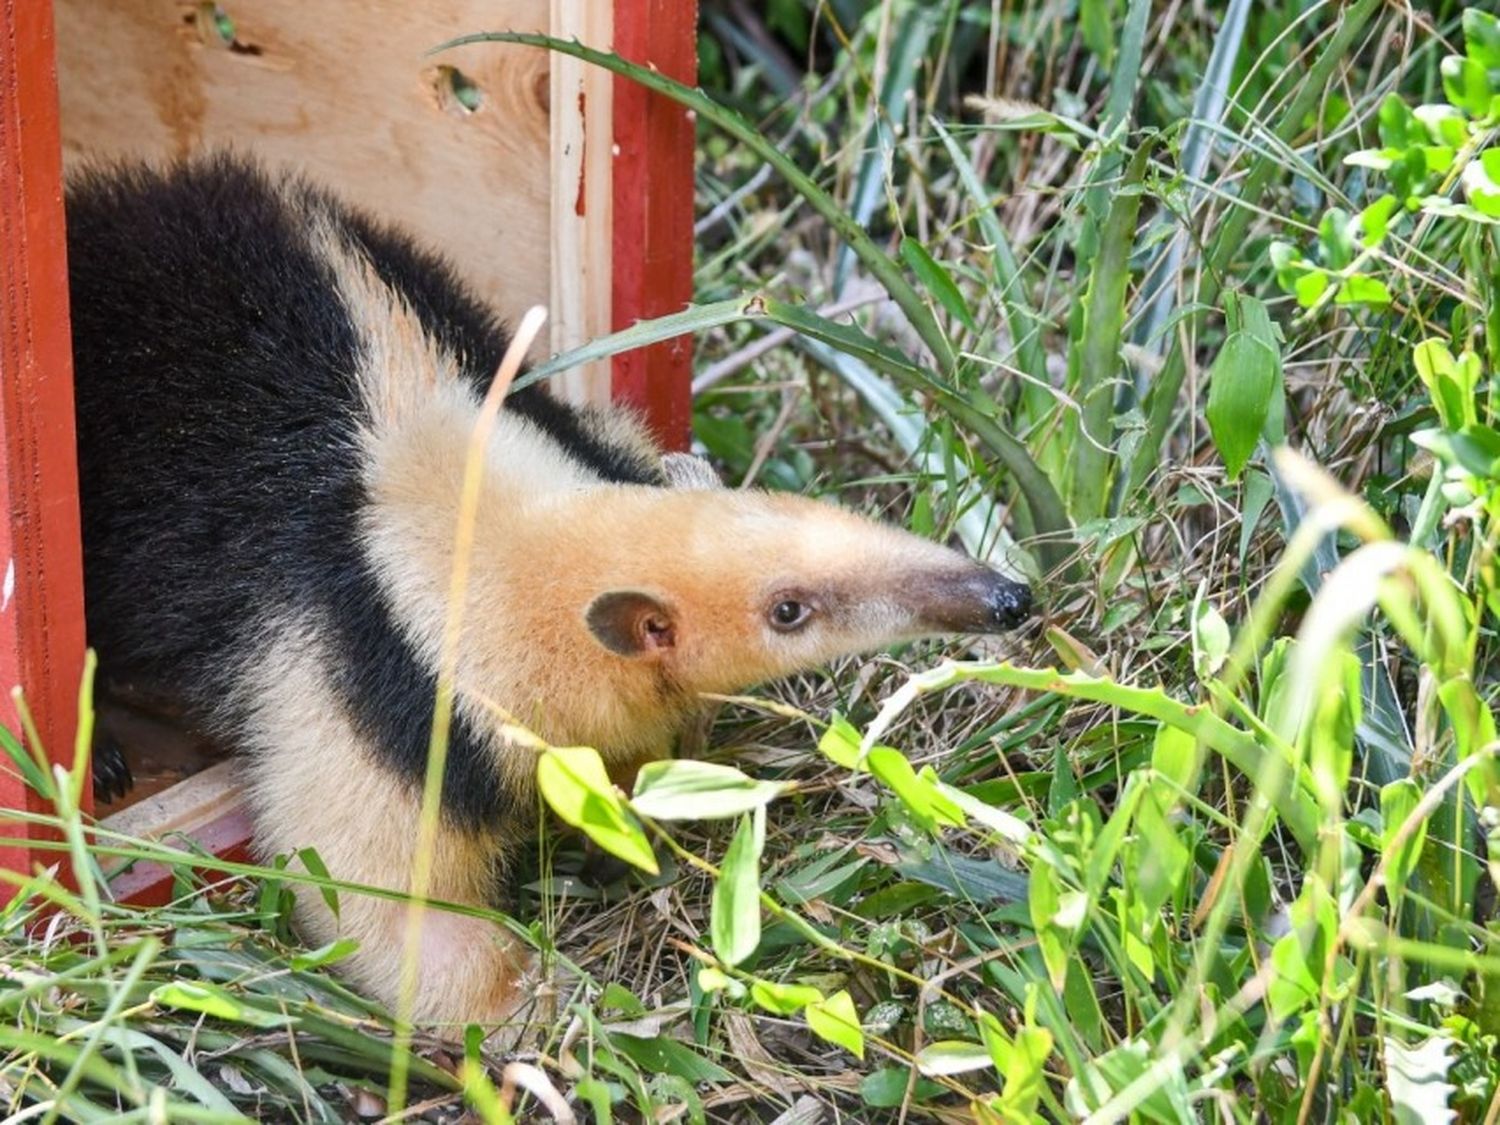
1106	292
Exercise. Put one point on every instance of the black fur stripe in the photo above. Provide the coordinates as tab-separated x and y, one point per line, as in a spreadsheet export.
218	414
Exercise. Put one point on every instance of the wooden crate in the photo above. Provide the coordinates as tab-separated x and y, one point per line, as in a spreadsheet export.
546	181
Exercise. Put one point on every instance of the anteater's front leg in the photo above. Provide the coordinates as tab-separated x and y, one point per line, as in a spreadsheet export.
315	784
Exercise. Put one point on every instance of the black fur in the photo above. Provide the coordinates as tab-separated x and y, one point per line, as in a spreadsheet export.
217	413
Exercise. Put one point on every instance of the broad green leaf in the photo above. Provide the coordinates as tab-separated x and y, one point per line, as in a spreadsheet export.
1242	383
1482	37
734	920
1375	220
662	1054
576	786
836	1020
953	1056
889	1086
1481	181
783	999
935	280
1451	382
1397	800
1362	289
1337	238
840	743
1466	85
1398	126
1174	754
1310	286
684	789
921	797
1336	716
211	1000
1445	125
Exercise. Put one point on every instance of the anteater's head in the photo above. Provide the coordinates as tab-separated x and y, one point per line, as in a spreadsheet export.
712	591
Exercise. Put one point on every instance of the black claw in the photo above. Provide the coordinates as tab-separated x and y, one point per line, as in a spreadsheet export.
112	777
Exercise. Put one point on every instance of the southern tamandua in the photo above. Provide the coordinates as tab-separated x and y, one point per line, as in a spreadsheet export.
274	395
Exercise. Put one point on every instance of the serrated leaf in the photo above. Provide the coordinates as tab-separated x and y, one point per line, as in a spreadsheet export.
836	1020
935	280
1417	1080
576	786
734	920
684	789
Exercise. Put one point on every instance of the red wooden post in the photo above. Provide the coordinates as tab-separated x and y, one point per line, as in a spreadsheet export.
653	210
41	572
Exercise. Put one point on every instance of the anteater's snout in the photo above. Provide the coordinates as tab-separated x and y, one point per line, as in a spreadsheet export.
1009	603
973	599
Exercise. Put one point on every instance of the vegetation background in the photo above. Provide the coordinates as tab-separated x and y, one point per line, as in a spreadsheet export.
1189	312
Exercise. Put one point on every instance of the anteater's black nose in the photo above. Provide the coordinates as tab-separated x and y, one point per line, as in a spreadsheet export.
1009	602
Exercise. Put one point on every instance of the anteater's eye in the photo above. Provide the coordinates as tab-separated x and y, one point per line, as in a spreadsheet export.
789	614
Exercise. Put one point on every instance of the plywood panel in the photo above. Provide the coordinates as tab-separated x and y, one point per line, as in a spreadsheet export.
342	89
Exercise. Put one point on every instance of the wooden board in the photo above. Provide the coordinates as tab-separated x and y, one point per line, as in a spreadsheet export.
41	579
342	90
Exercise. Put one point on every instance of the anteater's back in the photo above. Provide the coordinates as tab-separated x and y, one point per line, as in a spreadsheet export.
219	410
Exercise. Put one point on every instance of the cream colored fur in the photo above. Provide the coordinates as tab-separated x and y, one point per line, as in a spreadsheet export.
550	538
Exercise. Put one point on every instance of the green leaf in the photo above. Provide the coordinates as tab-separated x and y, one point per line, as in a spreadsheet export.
953	1056
683	789
927	805
1399	127
1466	85
1336	238
315	866
1482	37
328	954
1242	382
1481	181
935	280
1362	289
1174	755
887	1088
783	999
1211	637
576	786
663	1055
836	1020
734	920
840	743
211	1000
1397	800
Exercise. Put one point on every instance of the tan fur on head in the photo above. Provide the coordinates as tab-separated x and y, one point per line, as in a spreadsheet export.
550	541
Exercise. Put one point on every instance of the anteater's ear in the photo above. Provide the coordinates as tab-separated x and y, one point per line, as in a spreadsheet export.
631	623
685	471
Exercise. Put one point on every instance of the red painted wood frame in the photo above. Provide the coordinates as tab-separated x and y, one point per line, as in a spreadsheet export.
41	598
41	592
653	210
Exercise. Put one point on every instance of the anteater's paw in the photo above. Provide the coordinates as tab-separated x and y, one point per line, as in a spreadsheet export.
112	777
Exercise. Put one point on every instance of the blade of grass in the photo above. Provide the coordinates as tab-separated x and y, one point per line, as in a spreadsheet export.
1098	351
